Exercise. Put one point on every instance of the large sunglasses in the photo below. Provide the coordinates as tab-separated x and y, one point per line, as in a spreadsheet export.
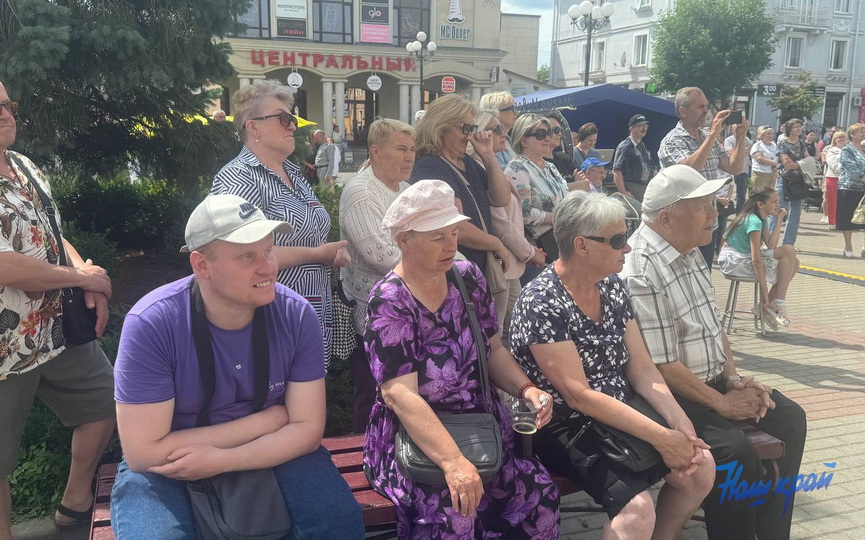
556	130
286	119
540	134
508	109
11	106
497	129
467	129
617	241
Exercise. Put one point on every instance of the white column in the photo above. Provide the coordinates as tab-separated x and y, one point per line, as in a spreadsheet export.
403	103
326	106
476	94
415	100
339	94
244	81
486	90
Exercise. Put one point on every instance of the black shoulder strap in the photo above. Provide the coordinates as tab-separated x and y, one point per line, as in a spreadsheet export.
457	278
204	349
49	209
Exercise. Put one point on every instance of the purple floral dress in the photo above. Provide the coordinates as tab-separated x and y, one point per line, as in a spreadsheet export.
402	337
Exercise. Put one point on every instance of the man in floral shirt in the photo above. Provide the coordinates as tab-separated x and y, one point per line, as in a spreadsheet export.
75	381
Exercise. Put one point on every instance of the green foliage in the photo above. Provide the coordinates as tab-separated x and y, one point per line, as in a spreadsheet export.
329	198
798	101
544	73
340	399
717	45
92	245
89	73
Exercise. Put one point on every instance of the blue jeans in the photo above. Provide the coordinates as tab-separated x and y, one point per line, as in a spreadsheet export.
794	211
741	181
148	505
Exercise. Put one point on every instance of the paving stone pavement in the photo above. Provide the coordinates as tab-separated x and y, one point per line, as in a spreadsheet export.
820	363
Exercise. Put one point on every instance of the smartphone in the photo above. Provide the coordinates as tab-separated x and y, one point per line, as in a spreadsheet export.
735	117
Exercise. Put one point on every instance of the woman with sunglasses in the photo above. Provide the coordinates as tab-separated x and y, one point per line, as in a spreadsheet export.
575	335
442	137
558	156
504	103
508	226
539	184
263	175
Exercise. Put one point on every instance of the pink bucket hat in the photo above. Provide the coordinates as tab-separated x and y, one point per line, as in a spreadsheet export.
426	205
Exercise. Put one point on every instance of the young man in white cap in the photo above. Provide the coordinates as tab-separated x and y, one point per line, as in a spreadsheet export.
674	302
632	166
160	386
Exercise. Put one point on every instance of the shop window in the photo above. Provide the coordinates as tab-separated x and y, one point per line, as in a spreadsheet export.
409	18
332	21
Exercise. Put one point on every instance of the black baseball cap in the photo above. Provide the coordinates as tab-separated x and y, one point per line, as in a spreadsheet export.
637	119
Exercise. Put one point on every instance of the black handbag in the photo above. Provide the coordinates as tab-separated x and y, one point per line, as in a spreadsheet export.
795	187
79	321
236	505
478	435
620	447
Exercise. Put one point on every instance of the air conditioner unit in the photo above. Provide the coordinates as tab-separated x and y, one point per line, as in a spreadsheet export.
857	101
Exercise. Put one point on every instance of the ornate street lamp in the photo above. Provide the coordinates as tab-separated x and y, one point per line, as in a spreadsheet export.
589	18
419	54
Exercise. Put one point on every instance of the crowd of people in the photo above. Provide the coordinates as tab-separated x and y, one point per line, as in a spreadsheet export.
480	240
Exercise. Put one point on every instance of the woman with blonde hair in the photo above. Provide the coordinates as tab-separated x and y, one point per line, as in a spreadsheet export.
851	187
764	160
832	159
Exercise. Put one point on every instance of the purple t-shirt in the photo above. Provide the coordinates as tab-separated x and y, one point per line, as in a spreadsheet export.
157	360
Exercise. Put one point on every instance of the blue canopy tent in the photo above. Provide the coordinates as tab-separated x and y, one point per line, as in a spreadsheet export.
609	107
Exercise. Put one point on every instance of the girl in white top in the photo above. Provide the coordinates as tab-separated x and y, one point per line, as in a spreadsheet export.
764	159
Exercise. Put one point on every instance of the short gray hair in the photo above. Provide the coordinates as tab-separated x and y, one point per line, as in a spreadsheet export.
245	102
583	214
685	95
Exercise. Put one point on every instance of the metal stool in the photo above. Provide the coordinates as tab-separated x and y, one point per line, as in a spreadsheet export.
733	296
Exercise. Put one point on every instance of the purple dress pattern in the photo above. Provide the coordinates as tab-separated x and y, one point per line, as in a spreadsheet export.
402	337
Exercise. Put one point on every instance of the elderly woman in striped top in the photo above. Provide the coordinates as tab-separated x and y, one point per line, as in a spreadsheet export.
263	175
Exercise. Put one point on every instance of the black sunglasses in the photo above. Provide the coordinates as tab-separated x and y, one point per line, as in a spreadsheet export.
286	119
556	130
617	241
467	129
540	134
507	109
11	106
497	129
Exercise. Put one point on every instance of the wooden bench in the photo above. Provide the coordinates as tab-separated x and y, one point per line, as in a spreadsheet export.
379	514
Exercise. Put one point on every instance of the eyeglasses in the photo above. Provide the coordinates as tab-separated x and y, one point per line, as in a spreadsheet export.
556	130
497	129
11	106
467	129
286	119
508	109
617	241
540	134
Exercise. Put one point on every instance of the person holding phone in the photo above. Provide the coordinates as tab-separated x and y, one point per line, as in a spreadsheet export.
689	143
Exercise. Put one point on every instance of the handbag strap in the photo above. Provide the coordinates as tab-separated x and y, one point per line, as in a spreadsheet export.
469	190
204	348
49	210
457	278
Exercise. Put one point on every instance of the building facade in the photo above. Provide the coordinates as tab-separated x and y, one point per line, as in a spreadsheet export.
347	58
821	37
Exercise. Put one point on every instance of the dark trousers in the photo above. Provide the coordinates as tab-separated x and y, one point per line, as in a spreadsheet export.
364	387
734	519
741	190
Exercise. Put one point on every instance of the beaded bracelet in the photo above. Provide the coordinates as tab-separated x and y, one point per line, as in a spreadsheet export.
525	387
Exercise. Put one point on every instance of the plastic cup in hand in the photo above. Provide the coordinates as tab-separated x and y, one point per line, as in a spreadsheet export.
523	418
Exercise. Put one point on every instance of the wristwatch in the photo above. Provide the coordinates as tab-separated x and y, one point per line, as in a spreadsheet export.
733	378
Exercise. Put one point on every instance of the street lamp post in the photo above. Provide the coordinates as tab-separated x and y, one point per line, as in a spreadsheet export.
419	54
589	18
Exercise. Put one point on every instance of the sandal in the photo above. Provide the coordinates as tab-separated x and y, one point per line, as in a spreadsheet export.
81	517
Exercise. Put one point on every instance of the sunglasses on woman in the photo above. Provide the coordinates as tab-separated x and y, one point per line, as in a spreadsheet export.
540	134
11	106
497	130
617	241
286	119
508	109
467	129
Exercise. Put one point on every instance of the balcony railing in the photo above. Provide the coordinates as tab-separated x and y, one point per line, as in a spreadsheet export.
805	14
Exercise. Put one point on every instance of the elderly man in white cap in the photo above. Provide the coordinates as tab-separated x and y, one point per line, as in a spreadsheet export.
674	302
223	372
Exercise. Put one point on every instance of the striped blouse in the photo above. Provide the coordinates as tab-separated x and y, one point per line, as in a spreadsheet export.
249	178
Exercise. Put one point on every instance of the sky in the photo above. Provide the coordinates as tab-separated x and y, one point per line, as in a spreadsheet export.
544	8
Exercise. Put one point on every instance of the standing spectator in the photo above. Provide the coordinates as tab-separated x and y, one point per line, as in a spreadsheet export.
632	166
741	179
218	116
74	380
827	137
832	170
505	104
851	187
811	143
560	159
442	138
325	159
790	150
691	144
337	157
363	203
584	147
764	157
263	175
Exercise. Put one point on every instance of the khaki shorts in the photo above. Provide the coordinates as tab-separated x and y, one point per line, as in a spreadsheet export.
78	385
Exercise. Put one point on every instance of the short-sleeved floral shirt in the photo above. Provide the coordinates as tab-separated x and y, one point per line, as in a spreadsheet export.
31	330
546	313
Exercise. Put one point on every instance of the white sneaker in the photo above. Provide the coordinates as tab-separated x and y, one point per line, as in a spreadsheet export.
848	254
824	219
781	315
769	318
